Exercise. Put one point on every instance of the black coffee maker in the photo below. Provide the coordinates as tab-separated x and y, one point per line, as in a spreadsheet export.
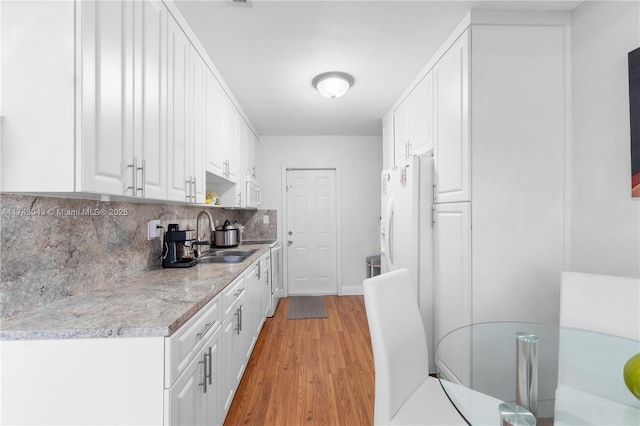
178	250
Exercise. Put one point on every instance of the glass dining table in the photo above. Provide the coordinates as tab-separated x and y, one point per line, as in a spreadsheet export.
504	373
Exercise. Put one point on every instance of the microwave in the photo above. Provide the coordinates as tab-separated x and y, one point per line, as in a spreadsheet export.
254	194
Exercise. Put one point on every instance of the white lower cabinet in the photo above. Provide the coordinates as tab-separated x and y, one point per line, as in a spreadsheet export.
265	289
115	381
194	398
189	378
192	369
252	279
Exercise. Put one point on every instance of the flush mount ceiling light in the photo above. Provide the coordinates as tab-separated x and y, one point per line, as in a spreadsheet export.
333	84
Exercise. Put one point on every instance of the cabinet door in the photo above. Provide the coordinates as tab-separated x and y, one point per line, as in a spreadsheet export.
266	290
421	117
452	277
38	87
179	113
196	159
193	399
251	153
150	100
242	149
401	132
216	128
107	95
186	404
251	310
231	138
234	359
212	397
388	159
451	112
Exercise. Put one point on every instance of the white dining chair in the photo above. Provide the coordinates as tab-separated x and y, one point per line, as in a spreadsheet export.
604	303
405	394
590	388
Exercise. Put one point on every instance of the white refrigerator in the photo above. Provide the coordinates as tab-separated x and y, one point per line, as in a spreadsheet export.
406	231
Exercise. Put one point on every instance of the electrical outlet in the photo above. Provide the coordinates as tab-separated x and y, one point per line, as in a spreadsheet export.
265	219
152	229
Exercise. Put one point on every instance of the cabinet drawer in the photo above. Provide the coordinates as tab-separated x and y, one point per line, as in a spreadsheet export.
181	346
232	293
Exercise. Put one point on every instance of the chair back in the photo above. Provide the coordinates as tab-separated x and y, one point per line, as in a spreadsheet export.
590	388
603	303
400	352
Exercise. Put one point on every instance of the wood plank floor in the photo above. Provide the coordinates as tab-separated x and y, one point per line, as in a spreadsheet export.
309	371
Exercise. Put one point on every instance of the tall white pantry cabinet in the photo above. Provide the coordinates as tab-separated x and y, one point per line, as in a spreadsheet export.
500	105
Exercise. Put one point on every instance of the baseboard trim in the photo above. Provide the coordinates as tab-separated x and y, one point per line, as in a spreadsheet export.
352	290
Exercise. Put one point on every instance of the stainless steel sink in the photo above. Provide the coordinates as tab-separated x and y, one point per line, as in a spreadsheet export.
225	256
221	259
231	252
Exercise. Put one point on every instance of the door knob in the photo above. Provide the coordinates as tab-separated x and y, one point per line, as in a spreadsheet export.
289	242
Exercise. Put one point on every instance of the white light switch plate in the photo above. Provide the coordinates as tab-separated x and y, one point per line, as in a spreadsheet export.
265	219
152	229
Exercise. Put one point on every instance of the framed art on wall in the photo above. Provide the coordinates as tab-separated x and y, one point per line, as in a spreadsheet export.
634	115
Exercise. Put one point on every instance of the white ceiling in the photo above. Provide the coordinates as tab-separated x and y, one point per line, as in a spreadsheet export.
269	52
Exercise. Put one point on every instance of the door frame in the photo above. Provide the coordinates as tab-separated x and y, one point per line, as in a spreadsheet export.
283	236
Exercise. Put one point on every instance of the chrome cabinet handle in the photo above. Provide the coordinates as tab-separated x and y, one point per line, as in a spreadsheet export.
204	331
207	362
240	329
134	186
144	178
210	369
191	189
237	314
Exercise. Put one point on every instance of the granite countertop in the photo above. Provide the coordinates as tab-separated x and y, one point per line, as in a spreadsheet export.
153	303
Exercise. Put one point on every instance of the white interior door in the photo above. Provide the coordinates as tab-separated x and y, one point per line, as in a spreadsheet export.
311	231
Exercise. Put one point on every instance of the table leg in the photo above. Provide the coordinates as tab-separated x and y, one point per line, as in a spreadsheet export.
527	371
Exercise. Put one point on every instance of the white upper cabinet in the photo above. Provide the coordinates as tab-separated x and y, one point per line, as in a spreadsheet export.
421	118
179	115
401	131
98	97
223	132
216	128
107	95
413	122
242	146
231	138
451	112
196	150
186	120
388	159
38	86
150	103
251	154
122	98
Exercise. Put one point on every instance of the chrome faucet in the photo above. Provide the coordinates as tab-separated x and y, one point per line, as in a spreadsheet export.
211	229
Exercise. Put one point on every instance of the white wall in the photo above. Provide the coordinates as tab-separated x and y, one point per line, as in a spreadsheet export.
604	219
359	160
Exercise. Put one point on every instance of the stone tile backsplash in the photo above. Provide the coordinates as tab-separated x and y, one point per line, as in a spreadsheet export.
52	248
